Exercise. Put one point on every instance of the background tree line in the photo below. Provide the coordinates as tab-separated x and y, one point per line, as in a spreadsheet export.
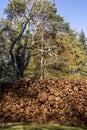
36	42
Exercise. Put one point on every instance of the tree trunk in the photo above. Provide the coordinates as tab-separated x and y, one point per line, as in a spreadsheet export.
42	57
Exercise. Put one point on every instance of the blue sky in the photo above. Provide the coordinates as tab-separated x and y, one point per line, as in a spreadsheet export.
73	11
3	4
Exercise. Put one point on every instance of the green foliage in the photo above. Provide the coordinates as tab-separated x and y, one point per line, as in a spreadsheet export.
82	37
6	73
39	42
33	69
16	6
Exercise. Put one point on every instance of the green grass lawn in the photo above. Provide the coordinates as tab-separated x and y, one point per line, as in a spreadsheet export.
38	127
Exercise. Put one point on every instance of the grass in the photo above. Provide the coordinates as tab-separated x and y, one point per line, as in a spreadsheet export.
37	127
